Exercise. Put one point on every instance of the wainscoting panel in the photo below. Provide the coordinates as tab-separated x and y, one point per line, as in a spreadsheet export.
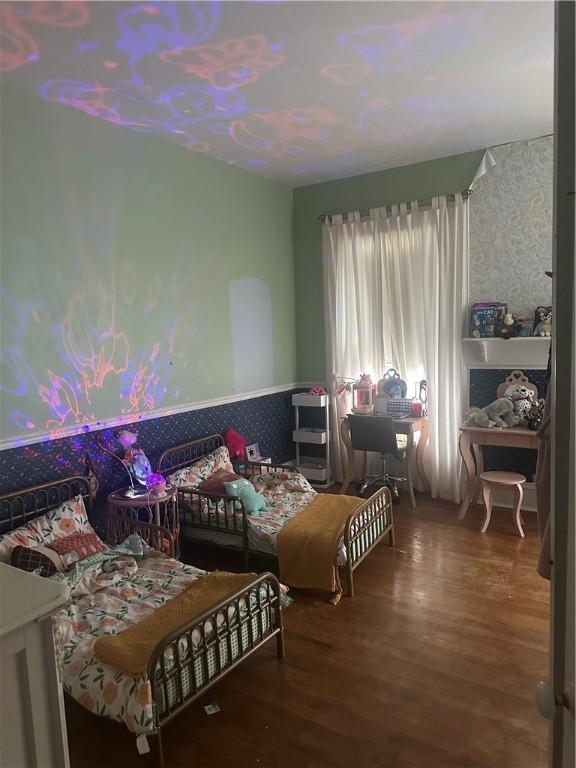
265	420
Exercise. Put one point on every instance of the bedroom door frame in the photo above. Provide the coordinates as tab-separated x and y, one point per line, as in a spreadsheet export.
561	682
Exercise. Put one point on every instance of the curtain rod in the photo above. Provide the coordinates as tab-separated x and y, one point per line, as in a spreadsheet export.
425	203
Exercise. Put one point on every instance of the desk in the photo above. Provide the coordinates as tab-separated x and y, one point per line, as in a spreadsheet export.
408	426
471	441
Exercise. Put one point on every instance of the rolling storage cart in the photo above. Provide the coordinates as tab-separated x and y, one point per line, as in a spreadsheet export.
316	467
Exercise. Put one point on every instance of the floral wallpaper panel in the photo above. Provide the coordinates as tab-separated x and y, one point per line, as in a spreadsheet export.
511	227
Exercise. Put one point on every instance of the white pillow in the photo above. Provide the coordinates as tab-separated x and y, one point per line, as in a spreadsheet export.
193	475
69	517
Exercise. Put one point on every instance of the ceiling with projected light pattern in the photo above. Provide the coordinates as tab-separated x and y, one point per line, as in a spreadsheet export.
296	91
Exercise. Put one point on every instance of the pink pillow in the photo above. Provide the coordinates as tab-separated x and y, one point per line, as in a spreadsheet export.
215	483
77	546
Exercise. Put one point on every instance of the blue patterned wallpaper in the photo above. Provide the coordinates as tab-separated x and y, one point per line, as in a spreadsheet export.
264	420
483	385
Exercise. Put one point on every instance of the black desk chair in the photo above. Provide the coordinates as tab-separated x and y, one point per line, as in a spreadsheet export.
371	432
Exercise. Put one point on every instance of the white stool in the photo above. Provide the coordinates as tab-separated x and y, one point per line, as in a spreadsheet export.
513	479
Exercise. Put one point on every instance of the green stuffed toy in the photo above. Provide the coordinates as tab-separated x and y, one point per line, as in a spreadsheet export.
253	501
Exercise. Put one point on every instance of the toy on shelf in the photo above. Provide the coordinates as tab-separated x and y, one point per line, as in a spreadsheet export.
499	414
543	321
508	327
484	317
363	392
318	390
526	326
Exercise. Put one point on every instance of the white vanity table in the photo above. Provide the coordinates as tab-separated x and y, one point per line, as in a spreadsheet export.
32	719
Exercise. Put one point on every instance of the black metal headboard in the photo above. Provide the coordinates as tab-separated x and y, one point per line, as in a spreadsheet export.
183	455
19	507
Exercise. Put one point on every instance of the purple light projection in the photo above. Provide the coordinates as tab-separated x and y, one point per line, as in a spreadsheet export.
413	43
232	64
18	20
269	86
233	79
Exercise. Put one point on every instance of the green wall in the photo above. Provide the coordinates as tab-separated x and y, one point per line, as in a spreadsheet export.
420	181
118	255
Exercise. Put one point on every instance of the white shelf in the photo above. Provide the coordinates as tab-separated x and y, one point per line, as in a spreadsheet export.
313	469
310	401
316	469
303	435
520	352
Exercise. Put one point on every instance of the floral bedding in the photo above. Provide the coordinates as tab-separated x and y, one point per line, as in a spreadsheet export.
70	517
287	493
202	469
108	594
119	587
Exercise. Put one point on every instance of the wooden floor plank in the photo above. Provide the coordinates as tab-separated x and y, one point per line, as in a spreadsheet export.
432	665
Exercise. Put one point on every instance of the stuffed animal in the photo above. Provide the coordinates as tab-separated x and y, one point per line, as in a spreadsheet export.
522	399
498	414
534	418
253	501
508	327
236	444
318	391
544	327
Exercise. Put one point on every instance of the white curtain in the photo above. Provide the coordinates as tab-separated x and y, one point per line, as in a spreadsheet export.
396	291
353	315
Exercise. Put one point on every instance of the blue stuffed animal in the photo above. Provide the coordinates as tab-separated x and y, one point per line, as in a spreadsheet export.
253	501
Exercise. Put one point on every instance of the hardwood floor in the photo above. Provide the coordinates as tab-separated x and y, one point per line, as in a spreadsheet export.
432	665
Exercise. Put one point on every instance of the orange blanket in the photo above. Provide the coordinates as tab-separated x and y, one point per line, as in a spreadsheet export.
308	543
130	651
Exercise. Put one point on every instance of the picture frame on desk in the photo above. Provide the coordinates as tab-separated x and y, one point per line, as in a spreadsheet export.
253	455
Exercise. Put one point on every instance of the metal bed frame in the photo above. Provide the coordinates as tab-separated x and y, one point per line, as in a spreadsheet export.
226	515
216	655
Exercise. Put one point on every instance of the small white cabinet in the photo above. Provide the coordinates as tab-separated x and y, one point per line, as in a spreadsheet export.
32	719
315	468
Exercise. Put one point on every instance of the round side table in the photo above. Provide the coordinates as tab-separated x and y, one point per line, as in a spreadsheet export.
158	508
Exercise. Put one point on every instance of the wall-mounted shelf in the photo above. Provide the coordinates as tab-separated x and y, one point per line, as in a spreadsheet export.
520	352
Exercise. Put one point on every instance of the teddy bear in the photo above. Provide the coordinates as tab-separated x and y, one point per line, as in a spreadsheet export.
499	414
